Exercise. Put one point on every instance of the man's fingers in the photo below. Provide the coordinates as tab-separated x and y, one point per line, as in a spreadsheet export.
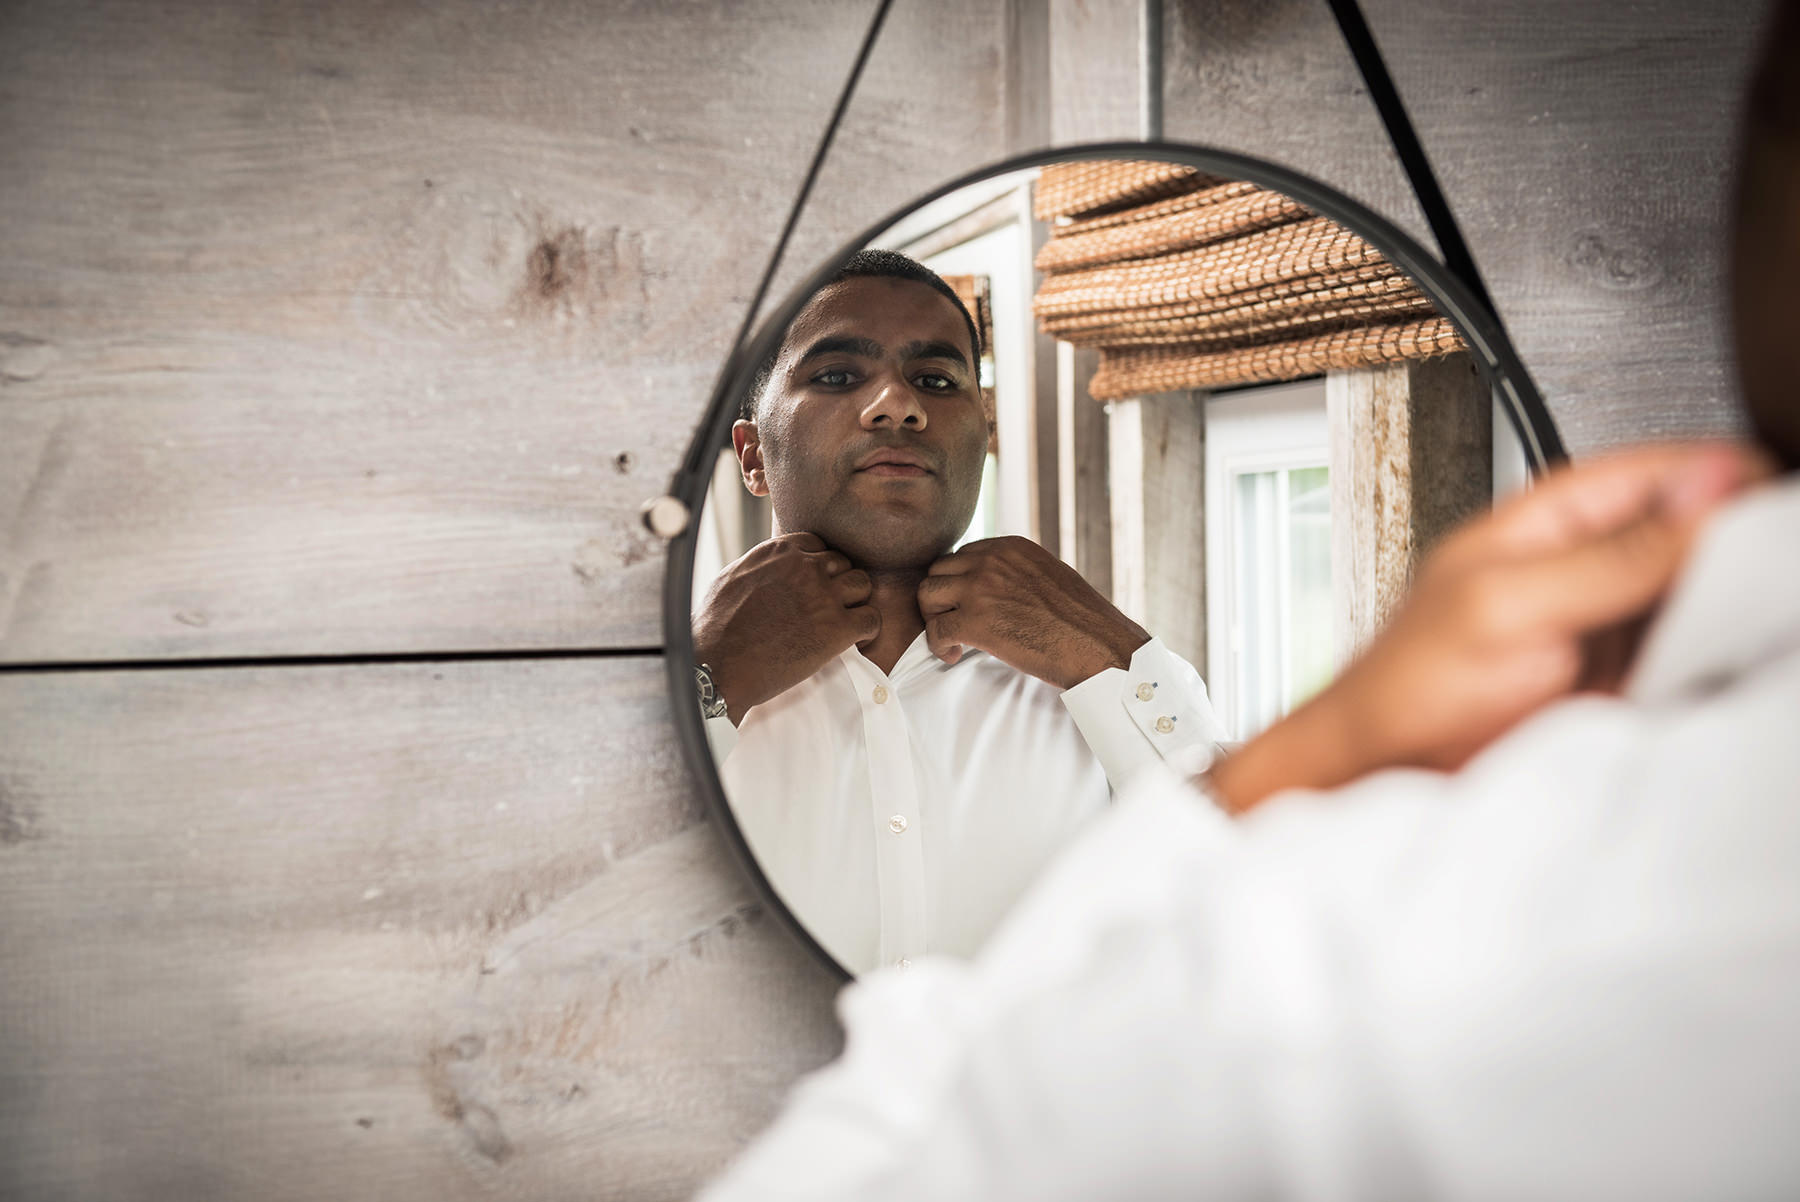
940	594
865	622
941	636
1601	495
806	540
834	562
854	587
1598	583
954	564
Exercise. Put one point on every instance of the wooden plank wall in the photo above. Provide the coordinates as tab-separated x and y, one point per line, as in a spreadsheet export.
363	327
1585	147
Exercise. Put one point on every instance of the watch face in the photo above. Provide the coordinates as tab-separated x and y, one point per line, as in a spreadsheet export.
711	704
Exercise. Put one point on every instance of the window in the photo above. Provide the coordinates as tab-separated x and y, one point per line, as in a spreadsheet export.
1269	607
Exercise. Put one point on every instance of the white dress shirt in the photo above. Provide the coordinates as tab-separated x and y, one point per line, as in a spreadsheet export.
899	814
1571	970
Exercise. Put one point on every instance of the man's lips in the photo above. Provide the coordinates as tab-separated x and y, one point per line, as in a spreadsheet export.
893	463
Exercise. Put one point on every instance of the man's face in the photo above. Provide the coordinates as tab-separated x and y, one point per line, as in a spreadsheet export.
871	432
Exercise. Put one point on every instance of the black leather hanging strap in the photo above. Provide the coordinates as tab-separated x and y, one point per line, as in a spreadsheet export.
812	173
1407	145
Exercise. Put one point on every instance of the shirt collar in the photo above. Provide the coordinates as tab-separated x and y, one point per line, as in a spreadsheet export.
916	660
1737	604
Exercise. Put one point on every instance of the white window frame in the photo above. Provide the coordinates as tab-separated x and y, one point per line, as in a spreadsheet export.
1273	428
991	225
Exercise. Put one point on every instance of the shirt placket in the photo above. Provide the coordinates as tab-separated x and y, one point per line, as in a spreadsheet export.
894	813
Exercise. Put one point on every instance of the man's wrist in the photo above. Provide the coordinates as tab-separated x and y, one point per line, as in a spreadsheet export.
1114	650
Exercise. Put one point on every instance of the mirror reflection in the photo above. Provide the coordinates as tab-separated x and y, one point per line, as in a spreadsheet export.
1074	472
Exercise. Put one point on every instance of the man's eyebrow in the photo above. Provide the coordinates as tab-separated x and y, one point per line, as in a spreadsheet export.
868	348
934	350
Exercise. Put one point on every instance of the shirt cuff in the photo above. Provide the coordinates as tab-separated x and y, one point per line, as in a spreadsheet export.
1154	712
721	735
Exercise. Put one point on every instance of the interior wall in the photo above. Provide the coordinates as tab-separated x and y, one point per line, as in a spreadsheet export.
359	329
1586	150
362	328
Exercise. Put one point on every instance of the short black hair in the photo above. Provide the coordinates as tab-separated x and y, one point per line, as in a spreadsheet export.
878	264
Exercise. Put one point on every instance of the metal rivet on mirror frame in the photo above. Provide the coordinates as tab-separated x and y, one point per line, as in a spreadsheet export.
665	516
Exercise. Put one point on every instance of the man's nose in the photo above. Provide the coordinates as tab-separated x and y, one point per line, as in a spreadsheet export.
893	404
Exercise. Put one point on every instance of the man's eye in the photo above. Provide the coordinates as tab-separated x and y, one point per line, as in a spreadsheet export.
837	377
935	382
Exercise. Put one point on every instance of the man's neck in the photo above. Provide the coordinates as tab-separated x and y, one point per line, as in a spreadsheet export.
895	596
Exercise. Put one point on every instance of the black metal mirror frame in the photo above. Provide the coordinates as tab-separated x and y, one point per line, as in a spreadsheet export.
1480	327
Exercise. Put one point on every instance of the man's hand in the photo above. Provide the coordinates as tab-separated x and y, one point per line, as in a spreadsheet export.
1546	595
779	614
1014	600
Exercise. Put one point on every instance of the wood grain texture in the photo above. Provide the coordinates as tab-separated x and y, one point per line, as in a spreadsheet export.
365	326
1412	453
403	932
1094	70
1588	151
1084	508
1585	148
1156	446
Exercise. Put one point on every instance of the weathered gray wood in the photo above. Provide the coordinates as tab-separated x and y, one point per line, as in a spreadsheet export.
1084	508
1412	456
368	328
452	931
1586	149
1027	92
230	295
1157	451
1273	79
1094	94
1049	424
1094	70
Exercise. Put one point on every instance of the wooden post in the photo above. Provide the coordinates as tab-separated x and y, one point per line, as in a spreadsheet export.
1083	510
1411	456
1094	84
1157	448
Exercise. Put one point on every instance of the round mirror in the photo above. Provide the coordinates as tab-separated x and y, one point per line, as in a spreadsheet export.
1102	458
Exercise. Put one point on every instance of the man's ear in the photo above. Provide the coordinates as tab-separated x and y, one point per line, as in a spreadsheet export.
748	445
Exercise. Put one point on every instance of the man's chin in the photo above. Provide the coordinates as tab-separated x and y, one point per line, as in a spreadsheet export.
877	550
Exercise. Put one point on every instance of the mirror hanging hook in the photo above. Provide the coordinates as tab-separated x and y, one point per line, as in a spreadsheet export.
666	517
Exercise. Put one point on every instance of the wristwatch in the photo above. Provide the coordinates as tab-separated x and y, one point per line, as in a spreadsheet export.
711	704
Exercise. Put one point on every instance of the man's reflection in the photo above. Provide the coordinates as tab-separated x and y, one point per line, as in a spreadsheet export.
906	735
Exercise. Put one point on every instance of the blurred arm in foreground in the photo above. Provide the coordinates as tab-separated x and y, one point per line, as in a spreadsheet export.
1512	911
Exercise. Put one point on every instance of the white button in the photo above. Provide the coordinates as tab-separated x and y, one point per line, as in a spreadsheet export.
1164	725
880	694
1146	691
903	962
897	824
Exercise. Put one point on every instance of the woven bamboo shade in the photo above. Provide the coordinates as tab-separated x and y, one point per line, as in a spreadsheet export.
1183	280
974	291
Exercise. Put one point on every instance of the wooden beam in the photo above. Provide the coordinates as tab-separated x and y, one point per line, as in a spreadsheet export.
1411	456
1084	510
1094	72
1157	454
